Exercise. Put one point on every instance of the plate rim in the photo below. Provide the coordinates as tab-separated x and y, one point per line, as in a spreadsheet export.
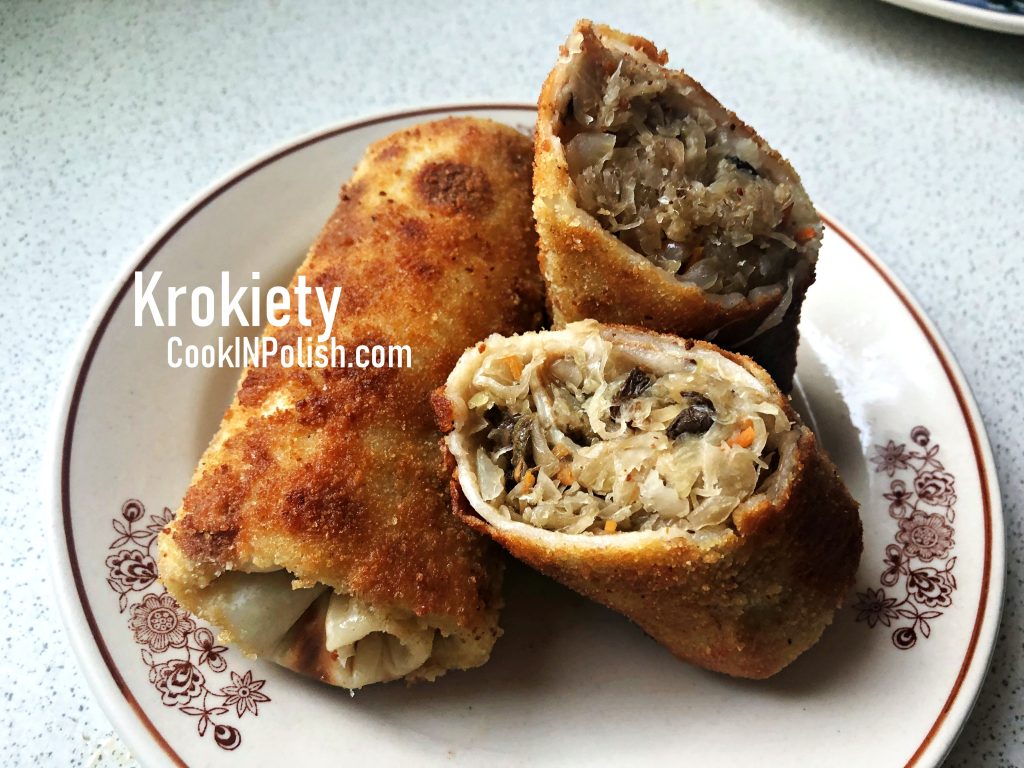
97	663
966	15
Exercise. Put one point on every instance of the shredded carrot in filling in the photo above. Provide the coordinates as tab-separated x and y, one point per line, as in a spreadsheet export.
610	526
804	235
529	481
565	476
744	436
515	366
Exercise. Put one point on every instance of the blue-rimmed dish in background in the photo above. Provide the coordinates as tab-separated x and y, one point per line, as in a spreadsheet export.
996	15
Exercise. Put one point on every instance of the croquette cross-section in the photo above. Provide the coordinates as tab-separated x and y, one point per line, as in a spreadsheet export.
658	207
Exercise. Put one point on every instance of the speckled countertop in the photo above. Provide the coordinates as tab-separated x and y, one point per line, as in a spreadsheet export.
907	129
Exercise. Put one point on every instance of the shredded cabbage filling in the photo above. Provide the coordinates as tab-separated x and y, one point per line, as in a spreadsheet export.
369	644
591	439
687	192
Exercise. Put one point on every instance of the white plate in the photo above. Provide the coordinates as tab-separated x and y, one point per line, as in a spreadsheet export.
969	13
569	680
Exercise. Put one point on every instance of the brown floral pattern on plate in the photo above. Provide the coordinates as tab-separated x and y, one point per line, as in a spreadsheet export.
918	579
186	665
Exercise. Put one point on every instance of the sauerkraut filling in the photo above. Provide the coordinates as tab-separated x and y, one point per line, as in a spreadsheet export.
693	195
594	438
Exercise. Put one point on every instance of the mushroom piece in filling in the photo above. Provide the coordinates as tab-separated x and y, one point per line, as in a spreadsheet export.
580	435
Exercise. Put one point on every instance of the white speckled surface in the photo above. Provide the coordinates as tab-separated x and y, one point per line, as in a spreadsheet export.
905	128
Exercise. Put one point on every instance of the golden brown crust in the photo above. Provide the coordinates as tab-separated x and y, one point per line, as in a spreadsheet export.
590	273
432	245
640	44
746	607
